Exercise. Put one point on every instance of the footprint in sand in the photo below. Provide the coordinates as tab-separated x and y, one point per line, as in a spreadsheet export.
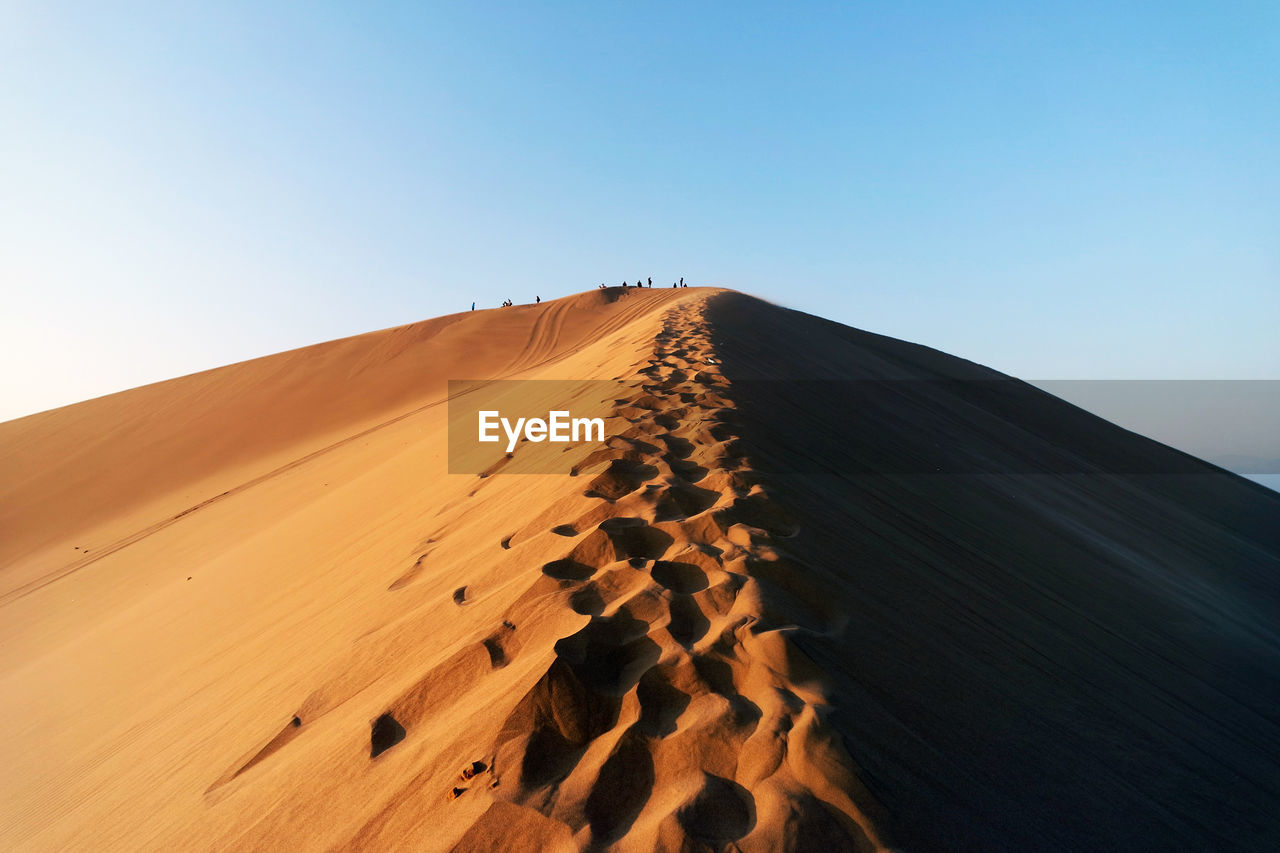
386	733
499	647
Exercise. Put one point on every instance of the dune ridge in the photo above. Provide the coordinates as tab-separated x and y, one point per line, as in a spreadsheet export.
751	619
611	681
678	716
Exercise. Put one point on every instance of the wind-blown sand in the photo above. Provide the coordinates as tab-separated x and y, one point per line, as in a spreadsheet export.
249	609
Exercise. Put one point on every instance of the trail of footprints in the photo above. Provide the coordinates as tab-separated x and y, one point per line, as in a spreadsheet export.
669	686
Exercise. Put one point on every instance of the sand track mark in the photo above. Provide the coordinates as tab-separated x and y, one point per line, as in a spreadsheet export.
681	653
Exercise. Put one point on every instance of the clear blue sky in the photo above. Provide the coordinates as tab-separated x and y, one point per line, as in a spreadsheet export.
1092	192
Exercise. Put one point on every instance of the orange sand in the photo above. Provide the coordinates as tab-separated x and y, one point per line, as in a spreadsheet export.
223	594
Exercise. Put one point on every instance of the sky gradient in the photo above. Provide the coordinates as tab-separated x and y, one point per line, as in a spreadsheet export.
1086	193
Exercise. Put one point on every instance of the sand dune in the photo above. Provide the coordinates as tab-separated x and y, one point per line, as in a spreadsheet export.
250	609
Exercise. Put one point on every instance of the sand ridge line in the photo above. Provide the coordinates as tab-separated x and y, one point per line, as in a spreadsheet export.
624	735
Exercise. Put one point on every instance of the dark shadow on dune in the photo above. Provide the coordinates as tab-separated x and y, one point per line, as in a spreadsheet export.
678	448
549	757
622	789
746	714
716	674
497	654
633	537
566	569
661	703
722	811
638	448
587	601
683	500
690	472
610	652
679	577
556	720
814	825
386	734
688	623
620	478
1070	642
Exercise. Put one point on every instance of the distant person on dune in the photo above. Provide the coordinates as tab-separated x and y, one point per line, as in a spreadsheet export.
650	281
682	281
537	299
473	306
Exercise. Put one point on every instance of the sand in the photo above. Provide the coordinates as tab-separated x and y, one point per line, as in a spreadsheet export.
250	609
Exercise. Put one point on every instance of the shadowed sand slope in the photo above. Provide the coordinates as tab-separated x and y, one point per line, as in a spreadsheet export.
249	609
1072	645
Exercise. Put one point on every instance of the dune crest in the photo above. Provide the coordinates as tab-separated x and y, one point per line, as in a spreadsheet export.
677	717
601	673
936	609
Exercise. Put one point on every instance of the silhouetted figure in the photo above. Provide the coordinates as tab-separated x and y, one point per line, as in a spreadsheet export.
473	306
651	281
537	299
682	281
673	285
